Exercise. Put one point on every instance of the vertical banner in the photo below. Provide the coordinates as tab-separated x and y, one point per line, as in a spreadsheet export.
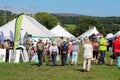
2	37
11	36
17	31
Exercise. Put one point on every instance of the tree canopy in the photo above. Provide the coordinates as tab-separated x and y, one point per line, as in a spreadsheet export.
46	19
81	23
86	23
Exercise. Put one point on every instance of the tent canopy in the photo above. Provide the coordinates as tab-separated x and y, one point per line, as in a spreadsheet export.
117	34
61	32
110	35
89	33
29	25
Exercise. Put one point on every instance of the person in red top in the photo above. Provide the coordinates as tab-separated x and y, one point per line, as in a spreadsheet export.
116	49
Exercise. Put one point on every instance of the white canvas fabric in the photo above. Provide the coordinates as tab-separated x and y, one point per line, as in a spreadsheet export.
117	34
110	35
89	33
61	32
29	25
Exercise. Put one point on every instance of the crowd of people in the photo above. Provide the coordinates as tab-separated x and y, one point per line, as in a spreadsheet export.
68	50
95	50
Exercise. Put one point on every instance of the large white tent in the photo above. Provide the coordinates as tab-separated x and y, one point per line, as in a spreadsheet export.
89	33
110	35
29	25
117	34
61	32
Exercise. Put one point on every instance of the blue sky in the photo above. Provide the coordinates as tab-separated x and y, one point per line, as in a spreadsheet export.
85	7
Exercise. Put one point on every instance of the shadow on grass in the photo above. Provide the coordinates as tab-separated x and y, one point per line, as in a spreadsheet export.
44	64
34	64
77	69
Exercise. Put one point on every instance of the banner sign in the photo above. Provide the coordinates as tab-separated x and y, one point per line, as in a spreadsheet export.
11	36
14	56
2	55
17	31
2	37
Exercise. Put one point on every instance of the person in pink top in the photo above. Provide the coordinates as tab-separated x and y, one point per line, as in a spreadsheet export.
70	48
95	45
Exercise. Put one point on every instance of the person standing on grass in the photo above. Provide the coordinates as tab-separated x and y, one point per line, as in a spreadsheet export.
40	49
116	49
95	45
70	48
103	48
46	51
53	53
7	46
87	55
32	52
75	52
64	51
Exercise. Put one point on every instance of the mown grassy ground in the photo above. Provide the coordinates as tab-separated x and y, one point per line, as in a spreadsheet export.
30	71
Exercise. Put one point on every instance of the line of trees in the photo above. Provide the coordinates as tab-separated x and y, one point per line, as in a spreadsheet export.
81	23
104	25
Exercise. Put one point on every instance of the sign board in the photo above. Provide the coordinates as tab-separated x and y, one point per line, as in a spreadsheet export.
2	55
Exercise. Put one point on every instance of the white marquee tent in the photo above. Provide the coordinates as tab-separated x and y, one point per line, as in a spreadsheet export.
61	32
110	35
117	34
29	25
89	33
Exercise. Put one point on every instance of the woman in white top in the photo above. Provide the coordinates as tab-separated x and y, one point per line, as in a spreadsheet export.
88	54
54	52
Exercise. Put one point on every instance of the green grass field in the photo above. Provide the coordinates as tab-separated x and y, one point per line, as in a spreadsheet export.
30	71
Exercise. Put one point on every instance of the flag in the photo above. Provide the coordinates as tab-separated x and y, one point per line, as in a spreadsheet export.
11	36
2	37
18	25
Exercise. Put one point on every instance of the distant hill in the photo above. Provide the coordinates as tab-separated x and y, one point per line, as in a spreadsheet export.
67	14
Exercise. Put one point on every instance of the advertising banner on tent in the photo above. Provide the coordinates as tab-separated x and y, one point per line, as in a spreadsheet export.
17	31
2	37
11	36
2	55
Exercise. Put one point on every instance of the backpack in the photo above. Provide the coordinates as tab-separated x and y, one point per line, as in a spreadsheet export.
64	47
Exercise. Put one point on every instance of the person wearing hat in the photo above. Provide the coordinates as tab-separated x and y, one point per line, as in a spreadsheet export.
53	53
40	49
